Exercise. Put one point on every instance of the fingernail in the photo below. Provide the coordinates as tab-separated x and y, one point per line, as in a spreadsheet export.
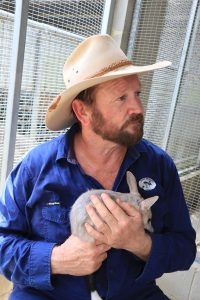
103	196
92	197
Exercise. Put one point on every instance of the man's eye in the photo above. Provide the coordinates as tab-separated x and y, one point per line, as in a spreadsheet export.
122	98
138	94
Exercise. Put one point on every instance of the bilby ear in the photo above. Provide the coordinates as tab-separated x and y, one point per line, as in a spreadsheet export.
147	203
132	183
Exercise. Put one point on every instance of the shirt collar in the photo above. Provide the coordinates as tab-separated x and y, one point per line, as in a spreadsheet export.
140	147
65	147
134	152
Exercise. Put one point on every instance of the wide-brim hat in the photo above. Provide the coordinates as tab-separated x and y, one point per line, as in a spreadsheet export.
96	60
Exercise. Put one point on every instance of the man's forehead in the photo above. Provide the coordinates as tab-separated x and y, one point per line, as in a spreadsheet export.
119	84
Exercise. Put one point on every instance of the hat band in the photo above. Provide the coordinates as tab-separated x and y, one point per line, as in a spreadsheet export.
111	67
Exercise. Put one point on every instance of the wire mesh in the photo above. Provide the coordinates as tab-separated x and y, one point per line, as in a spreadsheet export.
66	15
185	147
159	33
54	29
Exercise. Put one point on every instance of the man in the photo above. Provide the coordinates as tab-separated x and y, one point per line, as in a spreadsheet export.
37	251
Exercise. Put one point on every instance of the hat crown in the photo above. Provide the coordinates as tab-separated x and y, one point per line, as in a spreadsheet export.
93	55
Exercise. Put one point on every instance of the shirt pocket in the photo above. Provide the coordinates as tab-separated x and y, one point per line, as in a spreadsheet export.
56	223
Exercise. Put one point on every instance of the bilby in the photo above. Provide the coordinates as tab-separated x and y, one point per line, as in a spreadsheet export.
78	214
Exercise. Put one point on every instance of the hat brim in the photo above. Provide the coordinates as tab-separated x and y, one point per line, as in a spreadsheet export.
59	115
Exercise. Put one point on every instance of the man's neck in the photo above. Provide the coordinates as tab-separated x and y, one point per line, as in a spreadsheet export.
99	158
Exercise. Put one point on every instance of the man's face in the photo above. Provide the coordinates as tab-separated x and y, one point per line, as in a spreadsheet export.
117	112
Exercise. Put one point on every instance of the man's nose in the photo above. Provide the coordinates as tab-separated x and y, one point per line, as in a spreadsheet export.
135	107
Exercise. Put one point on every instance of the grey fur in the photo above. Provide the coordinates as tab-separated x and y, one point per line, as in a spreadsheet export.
78	214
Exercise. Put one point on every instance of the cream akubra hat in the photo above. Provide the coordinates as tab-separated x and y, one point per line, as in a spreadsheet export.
95	60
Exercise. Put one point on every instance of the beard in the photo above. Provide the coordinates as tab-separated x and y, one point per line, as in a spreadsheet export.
108	131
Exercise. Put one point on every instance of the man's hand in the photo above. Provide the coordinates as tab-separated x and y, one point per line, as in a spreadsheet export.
75	257
119	225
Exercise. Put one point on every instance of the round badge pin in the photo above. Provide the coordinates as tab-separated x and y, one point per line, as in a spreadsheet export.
147	184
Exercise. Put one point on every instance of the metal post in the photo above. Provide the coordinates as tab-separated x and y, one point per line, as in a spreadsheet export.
14	89
192	42
180	73
107	16
119	20
36	88
134	27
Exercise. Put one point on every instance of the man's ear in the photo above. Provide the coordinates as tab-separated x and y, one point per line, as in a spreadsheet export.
81	111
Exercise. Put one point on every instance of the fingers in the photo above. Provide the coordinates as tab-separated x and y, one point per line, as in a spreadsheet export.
115	210
97	243
103	256
99	224
109	212
129	209
104	215
112	219
102	248
99	261
100	237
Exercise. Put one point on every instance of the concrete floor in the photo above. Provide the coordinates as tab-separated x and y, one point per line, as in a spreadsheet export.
182	285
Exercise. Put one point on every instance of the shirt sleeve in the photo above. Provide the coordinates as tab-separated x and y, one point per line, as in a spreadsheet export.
23	261
175	248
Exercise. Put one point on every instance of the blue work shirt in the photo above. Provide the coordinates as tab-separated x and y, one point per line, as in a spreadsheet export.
34	217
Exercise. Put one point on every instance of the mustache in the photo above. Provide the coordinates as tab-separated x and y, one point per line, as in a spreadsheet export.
134	118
